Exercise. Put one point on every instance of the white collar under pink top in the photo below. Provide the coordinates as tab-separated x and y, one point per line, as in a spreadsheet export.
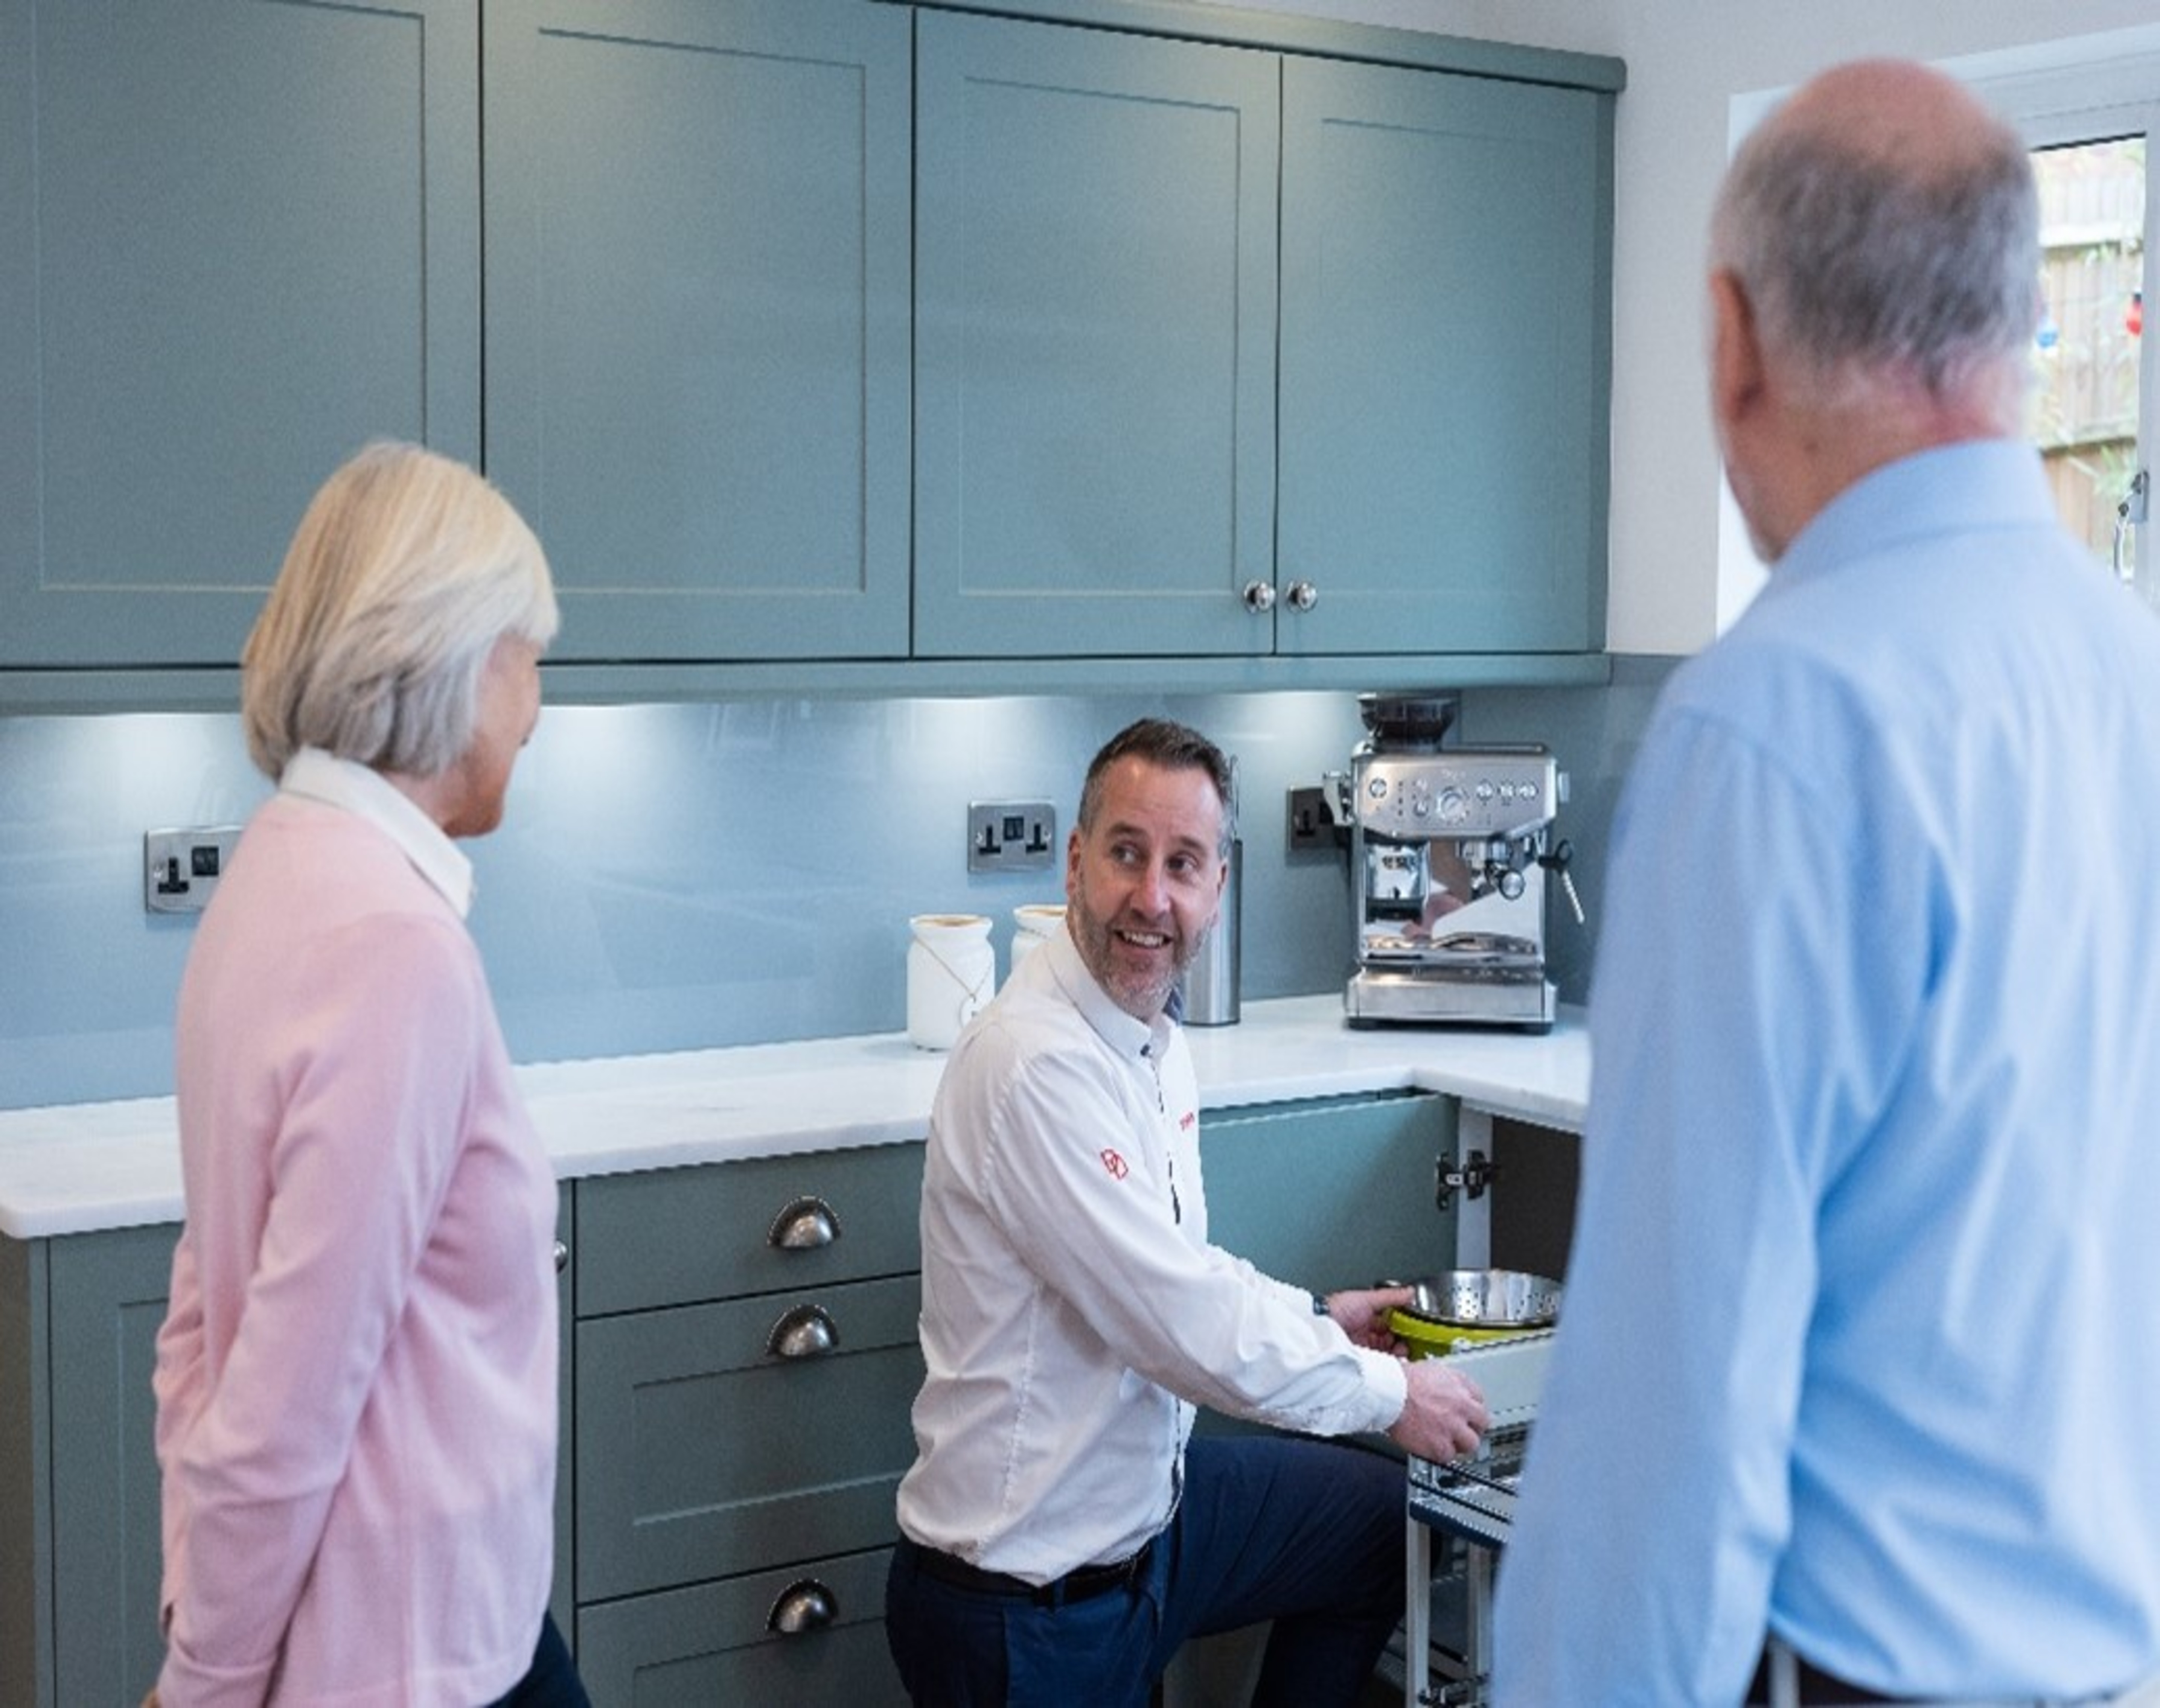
316	776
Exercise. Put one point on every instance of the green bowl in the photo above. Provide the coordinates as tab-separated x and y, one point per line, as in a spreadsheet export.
1466	1307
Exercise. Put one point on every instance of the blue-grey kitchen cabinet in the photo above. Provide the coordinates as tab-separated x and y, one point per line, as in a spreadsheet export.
238	239
697	357
80	1547
747	1358
1161	411
1095	312
747	1361
1446	331
1331	1192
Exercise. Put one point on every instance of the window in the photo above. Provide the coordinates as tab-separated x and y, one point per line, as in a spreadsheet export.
2089	125
2084	407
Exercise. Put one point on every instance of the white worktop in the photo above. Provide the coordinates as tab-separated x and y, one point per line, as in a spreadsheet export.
77	1168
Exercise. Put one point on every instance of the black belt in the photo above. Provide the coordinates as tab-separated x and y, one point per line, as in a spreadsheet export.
1081	1584
1818	1688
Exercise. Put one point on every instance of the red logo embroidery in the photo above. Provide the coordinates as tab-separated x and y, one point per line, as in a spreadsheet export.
1116	1165
1186	1120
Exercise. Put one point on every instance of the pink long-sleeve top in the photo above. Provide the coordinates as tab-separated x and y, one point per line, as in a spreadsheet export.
355	1379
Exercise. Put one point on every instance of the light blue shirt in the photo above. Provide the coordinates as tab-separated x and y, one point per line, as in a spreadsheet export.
1862	1331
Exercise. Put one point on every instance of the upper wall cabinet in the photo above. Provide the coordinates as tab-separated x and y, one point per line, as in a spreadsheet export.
238	238
1112	457
1445	315
844	345
1095	305
698	361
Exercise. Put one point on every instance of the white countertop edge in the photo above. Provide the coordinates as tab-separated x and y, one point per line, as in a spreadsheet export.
87	1168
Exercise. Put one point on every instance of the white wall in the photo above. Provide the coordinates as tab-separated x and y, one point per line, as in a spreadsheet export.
1686	60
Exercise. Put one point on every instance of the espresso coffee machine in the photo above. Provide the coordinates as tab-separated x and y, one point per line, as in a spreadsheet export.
1450	848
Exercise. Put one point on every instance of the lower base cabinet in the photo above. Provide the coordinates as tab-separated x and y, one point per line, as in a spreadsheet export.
82	1548
811	1636
747	1357
80	1552
739	1361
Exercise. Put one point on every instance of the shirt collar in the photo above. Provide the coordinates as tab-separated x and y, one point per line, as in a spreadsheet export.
313	775
1975	484
1129	1037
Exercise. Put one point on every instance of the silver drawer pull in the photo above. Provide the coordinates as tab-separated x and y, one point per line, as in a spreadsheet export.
562	1257
803	1606
804	1333
803	1226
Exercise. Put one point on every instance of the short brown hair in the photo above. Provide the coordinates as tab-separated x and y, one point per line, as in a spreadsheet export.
1173	746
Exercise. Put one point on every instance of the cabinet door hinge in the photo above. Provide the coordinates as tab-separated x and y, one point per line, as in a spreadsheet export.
1470	1177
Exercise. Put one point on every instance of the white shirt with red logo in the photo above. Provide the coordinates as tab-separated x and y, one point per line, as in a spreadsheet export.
1073	1311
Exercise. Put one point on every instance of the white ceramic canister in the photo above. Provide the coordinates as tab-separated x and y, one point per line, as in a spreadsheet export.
1032	922
952	969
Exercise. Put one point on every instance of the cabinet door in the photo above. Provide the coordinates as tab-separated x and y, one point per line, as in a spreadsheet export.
109	1294
108	1300
1446	325
698	363
1095	308
238	239
1330	1193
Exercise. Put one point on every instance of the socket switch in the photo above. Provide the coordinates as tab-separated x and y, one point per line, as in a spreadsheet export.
1311	826
1011	836
181	868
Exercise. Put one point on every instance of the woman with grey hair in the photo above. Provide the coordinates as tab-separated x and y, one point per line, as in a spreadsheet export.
356	1375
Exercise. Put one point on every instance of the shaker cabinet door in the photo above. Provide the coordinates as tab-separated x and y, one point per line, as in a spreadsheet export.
108	1302
1095	305
1329	1193
238	239
1446	325
697	361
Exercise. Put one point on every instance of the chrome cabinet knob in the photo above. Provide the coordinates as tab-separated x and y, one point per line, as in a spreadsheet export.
806	1605
1302	595
804	1225
804	1333
562	1257
1260	597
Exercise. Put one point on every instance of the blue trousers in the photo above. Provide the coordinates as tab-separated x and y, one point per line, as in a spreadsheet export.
1308	1534
552	1680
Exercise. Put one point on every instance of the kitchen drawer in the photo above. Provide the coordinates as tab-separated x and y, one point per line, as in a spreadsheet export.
715	1643
677	1236
701	1453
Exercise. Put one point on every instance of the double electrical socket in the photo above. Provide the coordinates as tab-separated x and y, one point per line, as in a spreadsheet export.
181	868
1011	836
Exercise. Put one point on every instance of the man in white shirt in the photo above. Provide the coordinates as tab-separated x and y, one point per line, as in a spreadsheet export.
1060	1535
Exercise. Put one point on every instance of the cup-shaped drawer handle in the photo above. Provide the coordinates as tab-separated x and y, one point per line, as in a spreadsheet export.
805	1605
804	1225
804	1333
562	1257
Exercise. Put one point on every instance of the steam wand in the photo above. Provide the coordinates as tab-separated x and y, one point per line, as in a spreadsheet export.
1556	863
